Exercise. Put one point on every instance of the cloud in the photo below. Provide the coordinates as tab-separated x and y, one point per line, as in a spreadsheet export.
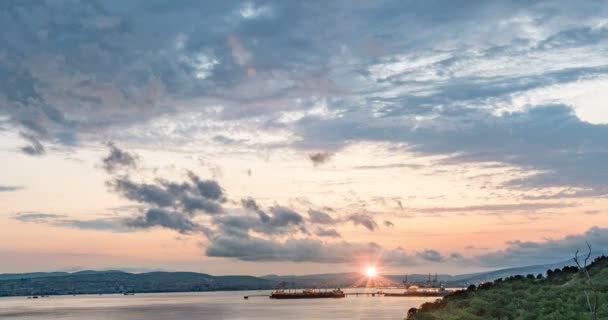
509	207
143	193
431	255
313	250
35	148
320	217
36	217
191	196
331	233
390	166
364	220
519	253
100	224
283	217
156	217
209	189
298	250
358	219
388	224
118	159
9	188
279	221
320	157
171	204
192	204
556	147
251	204
456	84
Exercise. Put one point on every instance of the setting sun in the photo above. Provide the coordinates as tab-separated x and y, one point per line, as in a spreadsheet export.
371	272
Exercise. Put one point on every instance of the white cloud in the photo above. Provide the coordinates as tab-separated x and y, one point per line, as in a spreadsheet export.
203	65
588	95
250	11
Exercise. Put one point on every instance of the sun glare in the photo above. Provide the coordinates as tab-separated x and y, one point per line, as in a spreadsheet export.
371	272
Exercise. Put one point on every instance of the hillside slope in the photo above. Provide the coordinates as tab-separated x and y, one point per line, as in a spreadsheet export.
117	282
559	296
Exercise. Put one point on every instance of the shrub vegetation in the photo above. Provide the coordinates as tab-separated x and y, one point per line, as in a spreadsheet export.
558	296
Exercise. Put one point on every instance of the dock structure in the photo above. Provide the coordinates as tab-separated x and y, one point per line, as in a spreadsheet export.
368	294
378	294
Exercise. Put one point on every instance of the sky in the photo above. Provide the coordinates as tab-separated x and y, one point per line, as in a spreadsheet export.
288	137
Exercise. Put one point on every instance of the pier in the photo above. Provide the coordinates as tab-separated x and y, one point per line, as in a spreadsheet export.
368	294
375	294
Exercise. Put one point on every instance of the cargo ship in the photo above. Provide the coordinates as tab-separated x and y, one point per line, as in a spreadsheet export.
307	294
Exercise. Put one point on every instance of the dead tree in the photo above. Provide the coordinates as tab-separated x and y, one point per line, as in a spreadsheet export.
590	292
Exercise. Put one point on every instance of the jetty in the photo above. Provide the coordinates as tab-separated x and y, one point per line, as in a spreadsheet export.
316	294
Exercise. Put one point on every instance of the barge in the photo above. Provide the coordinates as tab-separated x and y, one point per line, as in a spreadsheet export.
307	294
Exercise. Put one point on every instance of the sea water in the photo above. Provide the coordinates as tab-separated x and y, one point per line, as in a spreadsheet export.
205	305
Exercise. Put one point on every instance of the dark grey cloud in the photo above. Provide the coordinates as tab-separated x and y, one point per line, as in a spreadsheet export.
456	256
36	216
319	158
192	196
282	217
35	147
278	220
70	69
143	192
250	248
331	233
388	224
9	188
298	250
157	217
170	204
192	204
363	220
100	224
118	159
252	205
358	219
320	217
431	255
209	189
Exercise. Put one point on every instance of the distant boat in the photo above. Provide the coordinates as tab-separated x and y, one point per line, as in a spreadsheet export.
128	293
307	294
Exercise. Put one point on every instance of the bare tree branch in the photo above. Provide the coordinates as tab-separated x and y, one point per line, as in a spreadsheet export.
583	268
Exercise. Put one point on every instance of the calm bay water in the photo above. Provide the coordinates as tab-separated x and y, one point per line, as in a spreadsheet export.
206	305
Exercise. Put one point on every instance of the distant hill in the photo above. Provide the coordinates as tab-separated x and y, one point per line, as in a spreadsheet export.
349	279
31	275
344	280
116	281
559	295
508	272
97	282
11	276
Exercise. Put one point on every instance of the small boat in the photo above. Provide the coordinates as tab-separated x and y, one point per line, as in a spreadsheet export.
307	294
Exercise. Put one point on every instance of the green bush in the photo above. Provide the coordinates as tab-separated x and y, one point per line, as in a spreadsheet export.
558	296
